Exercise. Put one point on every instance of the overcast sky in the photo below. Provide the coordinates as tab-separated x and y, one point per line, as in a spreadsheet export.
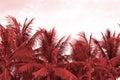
67	16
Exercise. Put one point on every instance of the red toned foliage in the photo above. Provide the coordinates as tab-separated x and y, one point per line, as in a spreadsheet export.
90	59
14	47
51	52
93	66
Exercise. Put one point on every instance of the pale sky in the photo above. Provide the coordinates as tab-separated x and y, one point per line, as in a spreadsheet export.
67	16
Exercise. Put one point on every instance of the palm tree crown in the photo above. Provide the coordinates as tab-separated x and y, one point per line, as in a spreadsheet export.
89	59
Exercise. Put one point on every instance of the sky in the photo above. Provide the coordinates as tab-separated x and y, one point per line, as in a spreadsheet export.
67	16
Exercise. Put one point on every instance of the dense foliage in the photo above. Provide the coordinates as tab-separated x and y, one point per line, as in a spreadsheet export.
89	59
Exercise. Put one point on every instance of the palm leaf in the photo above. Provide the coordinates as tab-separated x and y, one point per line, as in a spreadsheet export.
99	46
110	43
26	30
59	42
112	76
23	53
3	40
11	38
41	73
31	41
5	75
63	45
30	67
64	74
74	67
115	61
81	48
13	23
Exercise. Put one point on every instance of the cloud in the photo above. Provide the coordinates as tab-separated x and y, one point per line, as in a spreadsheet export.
16	5
74	15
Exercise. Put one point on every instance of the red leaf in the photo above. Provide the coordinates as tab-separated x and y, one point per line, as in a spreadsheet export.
30	67
64	74
41	73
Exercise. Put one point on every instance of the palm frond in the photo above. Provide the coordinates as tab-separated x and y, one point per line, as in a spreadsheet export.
110	43
29	67
5	75
41	73
31	41
63	45
81	48
11	38
115	61
106	71
99	46
26	30
64	74
74	67
23	53
59	42
3	40
13	23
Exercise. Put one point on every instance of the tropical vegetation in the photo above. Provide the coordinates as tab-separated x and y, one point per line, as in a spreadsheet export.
88	59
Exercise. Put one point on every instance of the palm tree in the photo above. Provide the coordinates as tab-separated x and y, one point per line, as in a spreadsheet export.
15	47
109	46
89	59
51	52
91	65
